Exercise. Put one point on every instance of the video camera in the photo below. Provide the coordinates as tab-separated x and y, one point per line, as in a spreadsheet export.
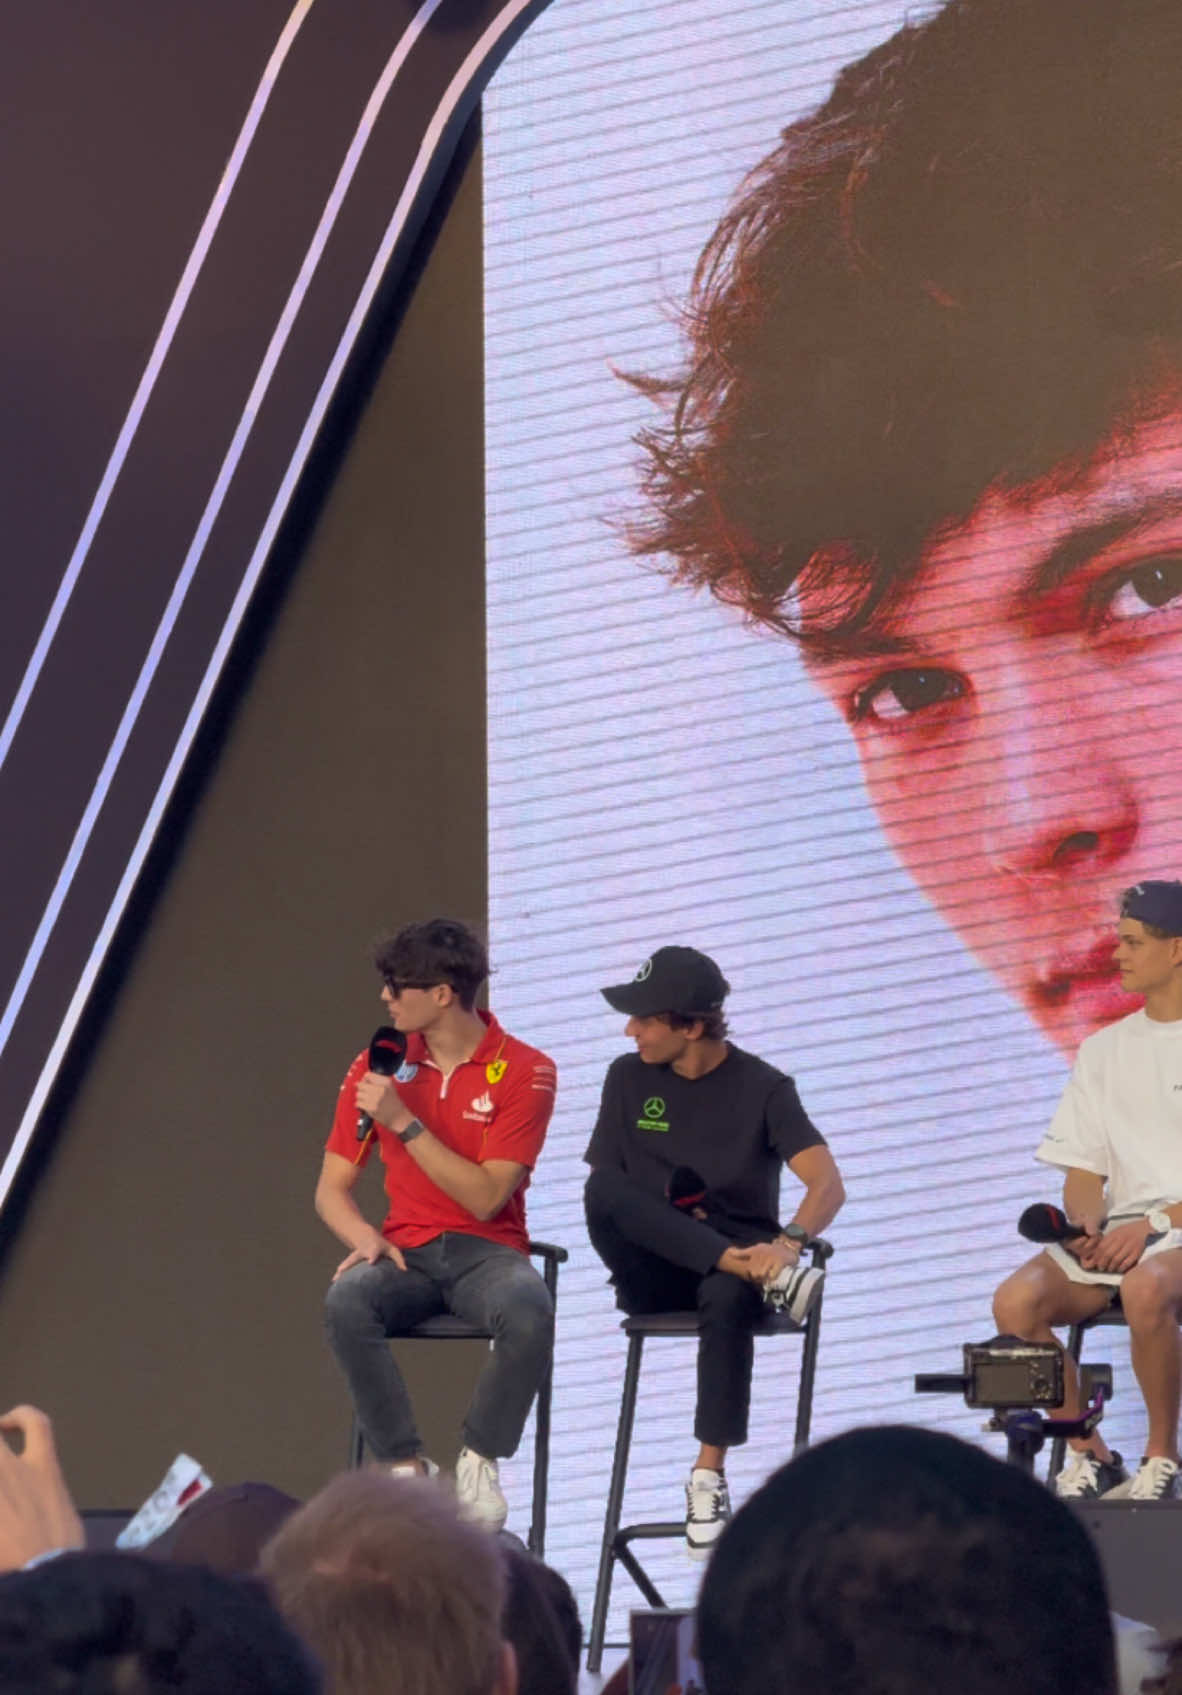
1011	1378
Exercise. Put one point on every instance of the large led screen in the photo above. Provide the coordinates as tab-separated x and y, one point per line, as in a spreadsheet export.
832	622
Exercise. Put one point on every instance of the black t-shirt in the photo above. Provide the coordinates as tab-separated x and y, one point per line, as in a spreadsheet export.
735	1127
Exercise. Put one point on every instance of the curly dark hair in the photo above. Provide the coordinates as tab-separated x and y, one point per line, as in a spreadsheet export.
963	271
122	1624
889	1560
713	1022
436	950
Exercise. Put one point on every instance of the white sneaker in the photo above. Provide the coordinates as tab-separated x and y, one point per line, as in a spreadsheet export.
1156	1479
707	1509
478	1490
421	1467
794	1291
1086	1477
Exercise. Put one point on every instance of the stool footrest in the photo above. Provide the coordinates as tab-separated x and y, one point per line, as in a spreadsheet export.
639	1576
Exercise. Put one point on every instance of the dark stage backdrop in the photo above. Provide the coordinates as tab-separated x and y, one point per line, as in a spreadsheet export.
202	205
163	1275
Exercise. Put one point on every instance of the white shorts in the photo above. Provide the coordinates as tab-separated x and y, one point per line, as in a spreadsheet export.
1070	1265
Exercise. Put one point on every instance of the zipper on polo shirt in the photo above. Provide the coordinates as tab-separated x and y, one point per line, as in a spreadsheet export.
444	1080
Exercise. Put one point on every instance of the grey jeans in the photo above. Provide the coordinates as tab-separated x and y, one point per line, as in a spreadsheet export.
486	1283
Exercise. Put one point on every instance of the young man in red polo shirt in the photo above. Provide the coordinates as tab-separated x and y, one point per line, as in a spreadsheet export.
459	1128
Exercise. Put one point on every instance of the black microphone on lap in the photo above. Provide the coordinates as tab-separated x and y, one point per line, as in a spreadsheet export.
1044	1223
387	1050
685	1188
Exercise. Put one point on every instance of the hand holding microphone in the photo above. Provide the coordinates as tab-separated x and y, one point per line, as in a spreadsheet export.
387	1050
1044	1223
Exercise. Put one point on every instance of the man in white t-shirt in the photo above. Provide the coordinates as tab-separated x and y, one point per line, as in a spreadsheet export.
1117	1134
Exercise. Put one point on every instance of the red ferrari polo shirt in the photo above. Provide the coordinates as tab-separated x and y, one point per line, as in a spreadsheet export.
496	1105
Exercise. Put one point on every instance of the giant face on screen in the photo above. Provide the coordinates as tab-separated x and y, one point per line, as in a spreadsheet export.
929	427
835	580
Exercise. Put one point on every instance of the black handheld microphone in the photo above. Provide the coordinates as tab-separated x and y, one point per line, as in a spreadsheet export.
685	1188
1044	1223
387	1050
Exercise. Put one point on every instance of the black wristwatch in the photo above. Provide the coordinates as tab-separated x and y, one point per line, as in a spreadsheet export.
413	1129
795	1233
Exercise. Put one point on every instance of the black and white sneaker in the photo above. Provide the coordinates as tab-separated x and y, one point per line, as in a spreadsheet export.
1086	1477
794	1291
1155	1479
707	1509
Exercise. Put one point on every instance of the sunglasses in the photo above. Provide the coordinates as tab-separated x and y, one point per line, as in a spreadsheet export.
398	985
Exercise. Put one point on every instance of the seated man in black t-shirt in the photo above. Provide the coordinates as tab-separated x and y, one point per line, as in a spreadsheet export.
683	1197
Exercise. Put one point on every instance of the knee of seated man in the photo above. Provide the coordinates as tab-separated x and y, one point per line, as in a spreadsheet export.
346	1301
1021	1303
728	1299
529	1311
1147	1295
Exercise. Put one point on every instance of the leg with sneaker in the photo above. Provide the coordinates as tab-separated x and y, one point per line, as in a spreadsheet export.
1037	1296
1151	1295
364	1307
728	1308
663	1260
497	1288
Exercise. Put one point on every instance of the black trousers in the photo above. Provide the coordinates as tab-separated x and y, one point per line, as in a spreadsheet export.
661	1260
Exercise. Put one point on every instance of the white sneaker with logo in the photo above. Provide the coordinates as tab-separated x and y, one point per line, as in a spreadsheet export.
707	1509
794	1291
478	1490
1156	1479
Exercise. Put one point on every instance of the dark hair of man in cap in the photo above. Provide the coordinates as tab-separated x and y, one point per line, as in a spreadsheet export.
891	1561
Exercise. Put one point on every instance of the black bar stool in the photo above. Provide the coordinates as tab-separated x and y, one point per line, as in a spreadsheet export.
447	1328
616	1537
1113	1314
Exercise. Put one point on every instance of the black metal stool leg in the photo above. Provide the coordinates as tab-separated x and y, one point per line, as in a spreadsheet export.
808	1374
1059	1443
615	1504
536	1541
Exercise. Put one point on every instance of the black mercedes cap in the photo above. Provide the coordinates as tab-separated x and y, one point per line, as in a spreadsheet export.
673	980
1159	904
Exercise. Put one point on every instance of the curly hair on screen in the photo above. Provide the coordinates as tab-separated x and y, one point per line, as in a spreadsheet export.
963	271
